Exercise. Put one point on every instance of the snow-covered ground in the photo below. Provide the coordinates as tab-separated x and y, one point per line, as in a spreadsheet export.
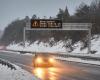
18	74
95	45
58	47
42	47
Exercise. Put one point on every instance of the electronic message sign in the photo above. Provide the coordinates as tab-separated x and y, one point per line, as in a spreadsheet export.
46	23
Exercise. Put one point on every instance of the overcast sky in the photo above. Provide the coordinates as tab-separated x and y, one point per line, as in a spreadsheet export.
13	9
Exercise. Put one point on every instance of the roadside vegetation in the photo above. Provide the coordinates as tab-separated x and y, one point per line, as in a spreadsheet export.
13	33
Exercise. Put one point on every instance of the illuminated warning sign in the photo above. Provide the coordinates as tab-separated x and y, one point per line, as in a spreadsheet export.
46	23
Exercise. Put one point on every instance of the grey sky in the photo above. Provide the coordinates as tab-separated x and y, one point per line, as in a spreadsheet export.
13	9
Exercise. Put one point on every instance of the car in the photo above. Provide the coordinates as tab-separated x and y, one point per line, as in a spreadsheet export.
43	60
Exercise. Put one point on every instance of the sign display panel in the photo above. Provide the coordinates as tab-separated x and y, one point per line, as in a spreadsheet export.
46	23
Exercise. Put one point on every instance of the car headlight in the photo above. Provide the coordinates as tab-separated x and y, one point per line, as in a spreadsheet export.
39	60
51	60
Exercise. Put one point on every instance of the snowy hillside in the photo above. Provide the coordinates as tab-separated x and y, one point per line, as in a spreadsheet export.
95	45
58	47
41	47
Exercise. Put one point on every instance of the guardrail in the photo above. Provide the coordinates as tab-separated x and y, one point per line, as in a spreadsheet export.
6	63
66	55
79	55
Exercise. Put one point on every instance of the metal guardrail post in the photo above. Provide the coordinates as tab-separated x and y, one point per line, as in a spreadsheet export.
89	39
24	36
27	21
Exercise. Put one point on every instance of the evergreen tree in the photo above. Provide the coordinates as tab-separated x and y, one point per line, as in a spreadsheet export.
60	14
66	15
34	16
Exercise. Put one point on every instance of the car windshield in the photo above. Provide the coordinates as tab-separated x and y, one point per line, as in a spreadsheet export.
43	54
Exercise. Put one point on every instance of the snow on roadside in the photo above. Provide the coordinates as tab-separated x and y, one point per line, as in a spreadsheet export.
9	52
77	46
18	74
42	47
58	47
95	46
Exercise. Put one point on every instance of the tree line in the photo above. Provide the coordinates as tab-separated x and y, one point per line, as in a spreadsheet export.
84	14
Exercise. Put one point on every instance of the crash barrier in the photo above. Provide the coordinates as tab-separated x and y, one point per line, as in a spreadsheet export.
8	64
66	55
83	56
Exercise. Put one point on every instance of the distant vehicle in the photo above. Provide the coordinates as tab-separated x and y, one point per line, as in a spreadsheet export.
43	60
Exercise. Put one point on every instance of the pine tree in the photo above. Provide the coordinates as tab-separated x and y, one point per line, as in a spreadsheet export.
66	15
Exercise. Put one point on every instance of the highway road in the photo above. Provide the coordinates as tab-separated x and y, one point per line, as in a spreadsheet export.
62	70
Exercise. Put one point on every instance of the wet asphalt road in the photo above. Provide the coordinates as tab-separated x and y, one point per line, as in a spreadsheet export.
62	70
